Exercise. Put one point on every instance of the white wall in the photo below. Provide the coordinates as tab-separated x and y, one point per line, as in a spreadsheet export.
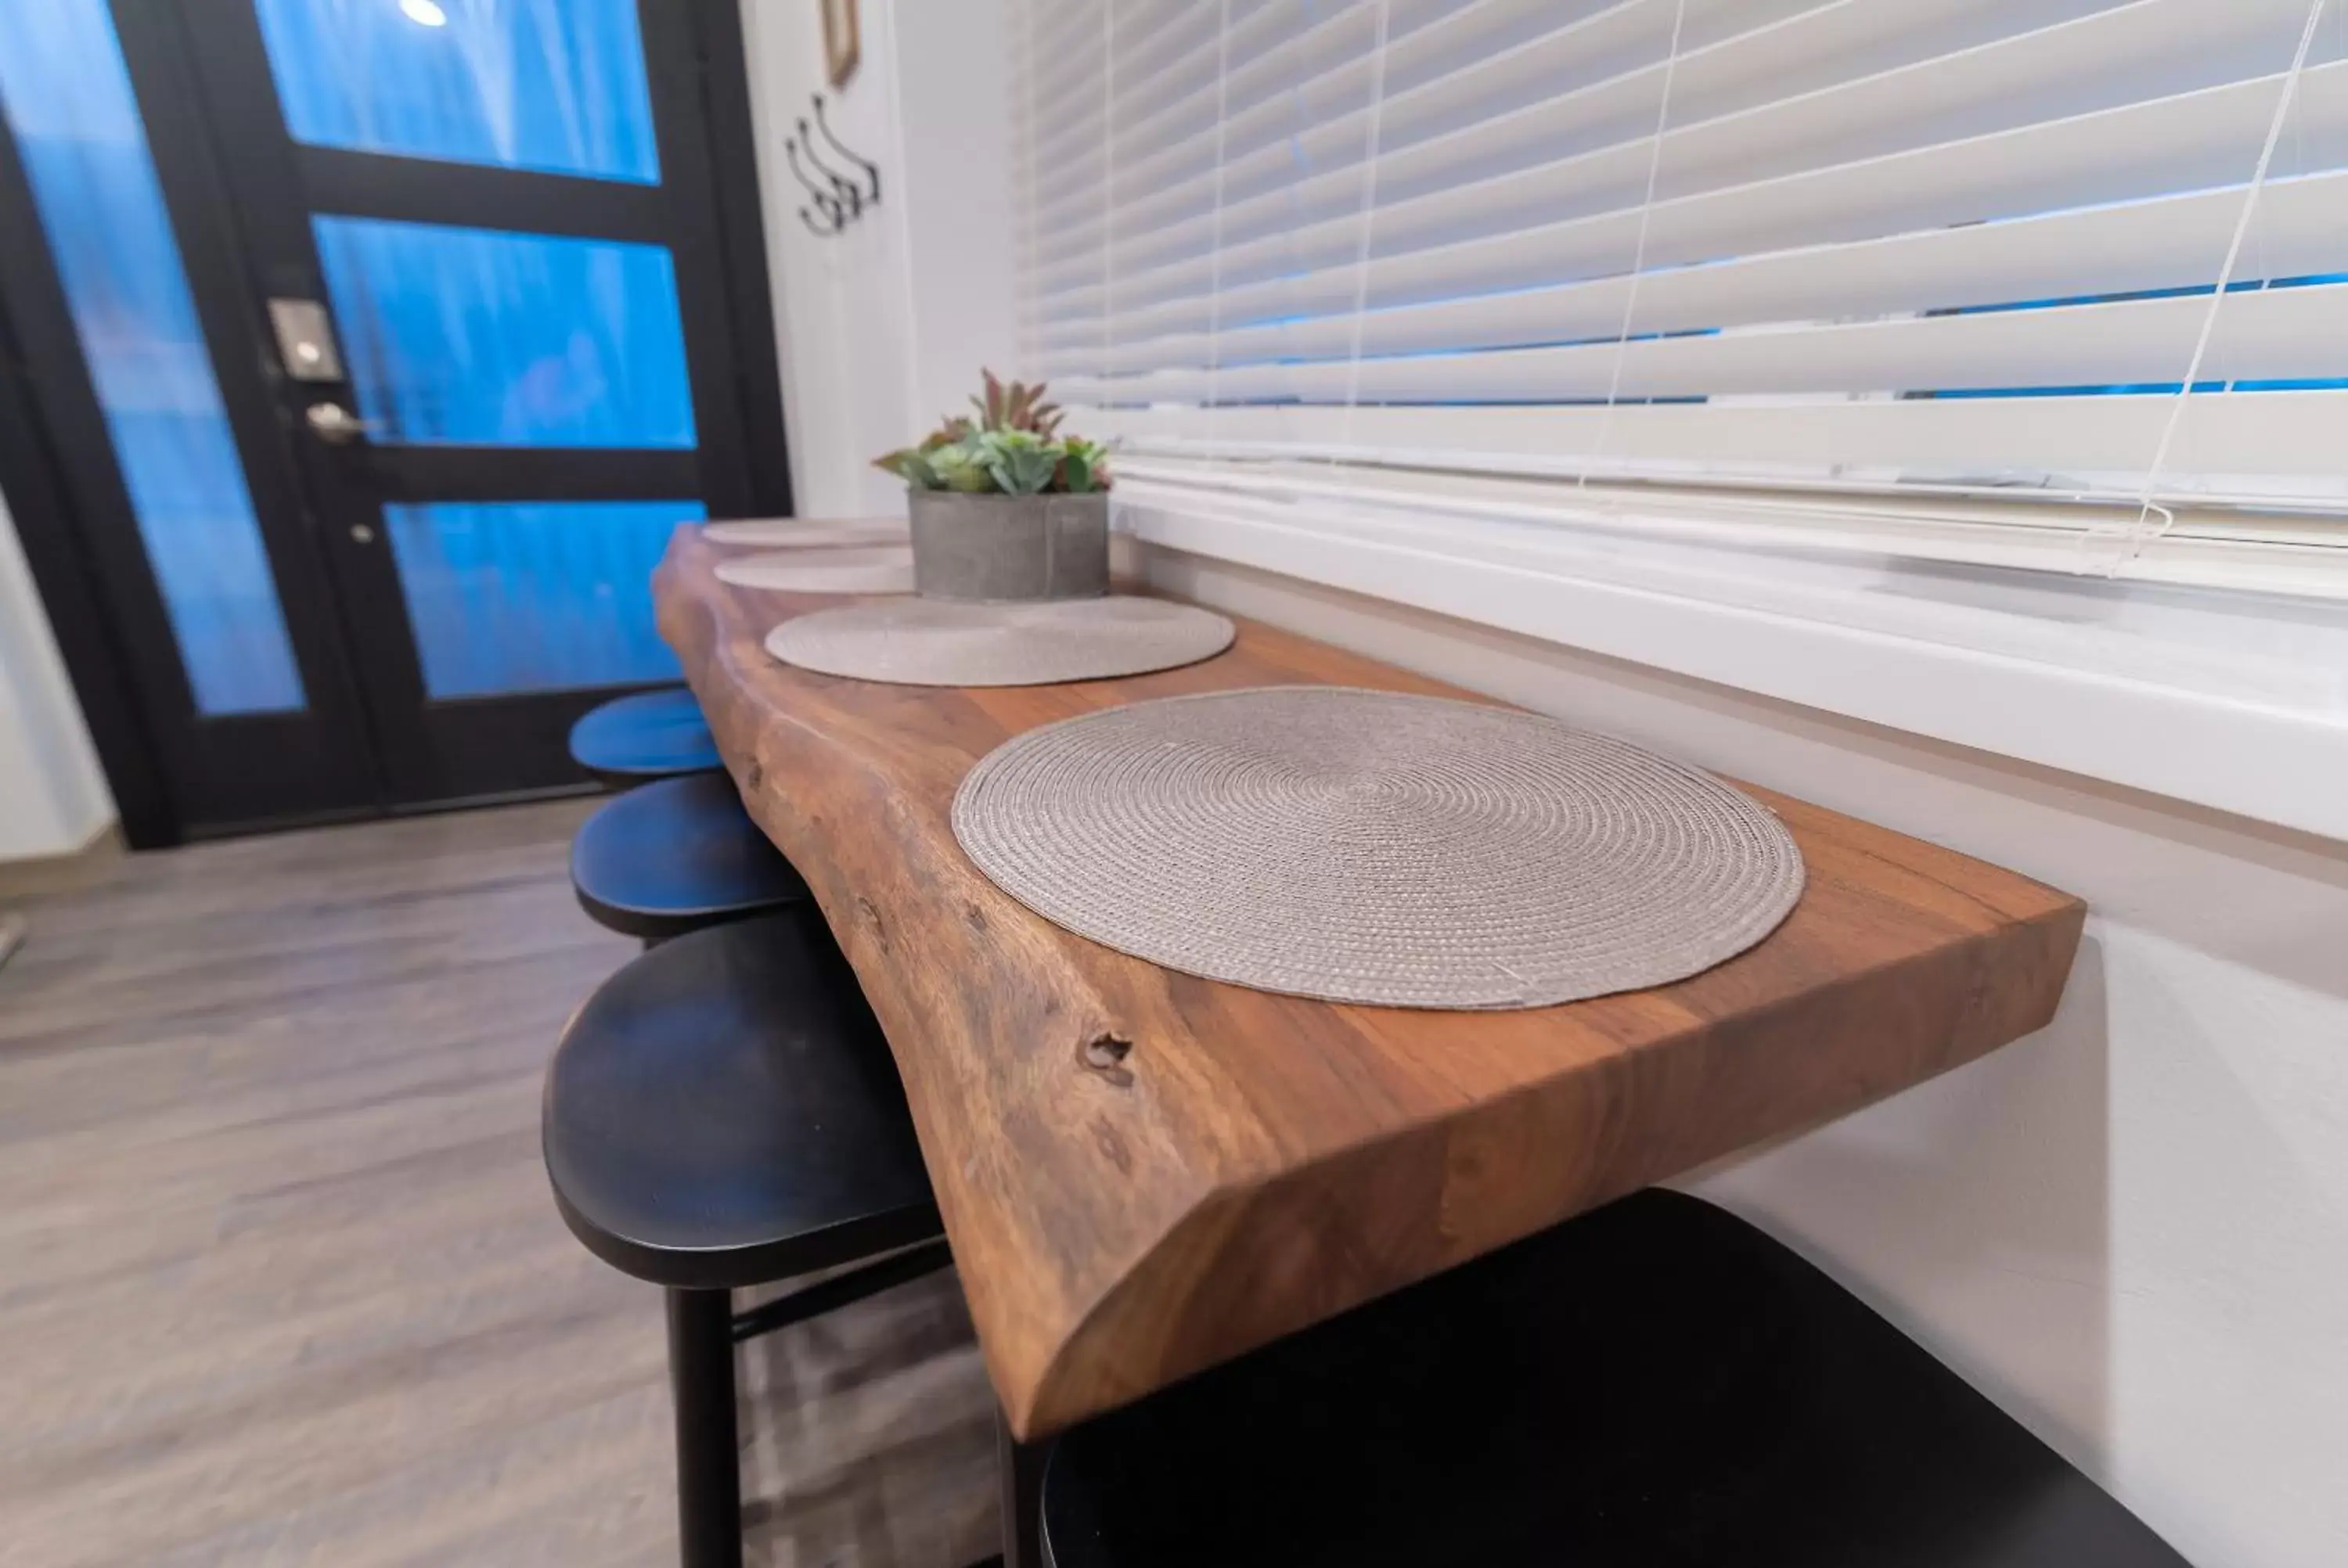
2130	1229
884	327
53	796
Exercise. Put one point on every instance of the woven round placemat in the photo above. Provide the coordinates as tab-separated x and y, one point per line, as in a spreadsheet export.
1368	846
873	568
793	533
950	642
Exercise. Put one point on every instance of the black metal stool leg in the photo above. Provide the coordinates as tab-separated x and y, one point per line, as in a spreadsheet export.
709	1461
1021	1467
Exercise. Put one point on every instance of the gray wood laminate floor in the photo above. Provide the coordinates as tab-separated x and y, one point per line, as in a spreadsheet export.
280	1280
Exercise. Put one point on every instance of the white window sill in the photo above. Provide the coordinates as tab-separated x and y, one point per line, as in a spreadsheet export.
2230	700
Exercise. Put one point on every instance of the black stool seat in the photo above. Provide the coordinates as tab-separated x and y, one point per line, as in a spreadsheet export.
677	855
1654	1384
723	1112
650	735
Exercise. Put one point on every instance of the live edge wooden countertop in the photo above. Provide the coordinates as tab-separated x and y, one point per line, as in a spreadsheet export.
1246	1164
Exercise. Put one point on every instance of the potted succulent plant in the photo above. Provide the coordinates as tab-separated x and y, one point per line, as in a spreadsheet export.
1003	507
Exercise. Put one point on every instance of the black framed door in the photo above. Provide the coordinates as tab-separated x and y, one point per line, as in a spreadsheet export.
482	287
503	223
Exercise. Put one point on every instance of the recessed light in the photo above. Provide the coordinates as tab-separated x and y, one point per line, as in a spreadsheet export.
424	12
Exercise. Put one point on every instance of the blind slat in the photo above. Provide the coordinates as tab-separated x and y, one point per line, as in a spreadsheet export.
2192	141
2238	447
1448	61
1072	54
2169	243
1161	62
1483	174
1276	144
1288	48
2181	143
2282	334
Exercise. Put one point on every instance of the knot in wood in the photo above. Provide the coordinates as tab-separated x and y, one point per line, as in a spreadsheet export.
1104	1054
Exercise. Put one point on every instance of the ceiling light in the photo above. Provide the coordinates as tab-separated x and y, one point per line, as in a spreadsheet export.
424	12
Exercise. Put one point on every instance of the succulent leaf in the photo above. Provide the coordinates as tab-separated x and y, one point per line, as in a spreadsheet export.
1011	445
956	466
910	464
1023	464
1083	467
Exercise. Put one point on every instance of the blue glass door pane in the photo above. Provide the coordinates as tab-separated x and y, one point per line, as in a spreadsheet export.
550	85
483	338
534	596
67	97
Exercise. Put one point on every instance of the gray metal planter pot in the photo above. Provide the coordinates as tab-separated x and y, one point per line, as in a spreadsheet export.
1010	547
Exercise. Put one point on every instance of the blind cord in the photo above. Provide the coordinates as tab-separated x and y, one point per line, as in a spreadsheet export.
1638	250
1031	349
1108	181
2145	531
1373	137
1215	252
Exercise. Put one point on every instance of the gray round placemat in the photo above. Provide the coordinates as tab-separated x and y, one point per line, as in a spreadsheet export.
793	533
875	569
951	642
1371	848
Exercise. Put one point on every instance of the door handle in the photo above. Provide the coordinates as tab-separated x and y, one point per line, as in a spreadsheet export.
335	425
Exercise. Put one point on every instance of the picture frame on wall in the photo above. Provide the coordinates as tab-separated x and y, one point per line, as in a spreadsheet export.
840	43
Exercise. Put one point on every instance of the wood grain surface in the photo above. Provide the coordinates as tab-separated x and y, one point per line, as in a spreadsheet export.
280	1282
1144	1174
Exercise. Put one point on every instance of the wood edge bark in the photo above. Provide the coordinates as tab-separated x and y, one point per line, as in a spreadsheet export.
1091	1370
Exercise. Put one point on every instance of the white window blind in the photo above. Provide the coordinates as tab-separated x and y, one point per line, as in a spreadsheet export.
2039	283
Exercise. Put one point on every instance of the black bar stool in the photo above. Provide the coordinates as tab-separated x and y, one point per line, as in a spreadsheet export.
674	855
630	740
724	1112
1654	1384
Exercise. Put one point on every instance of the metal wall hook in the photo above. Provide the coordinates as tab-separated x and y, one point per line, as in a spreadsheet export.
838	198
872	170
791	151
834	210
845	189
